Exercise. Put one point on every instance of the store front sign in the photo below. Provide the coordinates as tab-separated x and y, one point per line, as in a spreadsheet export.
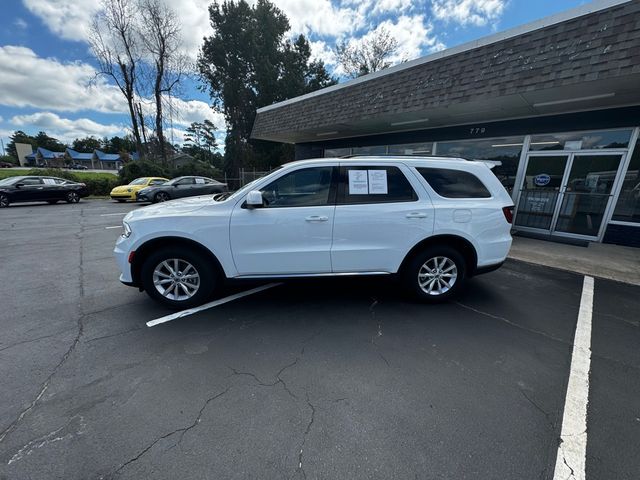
542	180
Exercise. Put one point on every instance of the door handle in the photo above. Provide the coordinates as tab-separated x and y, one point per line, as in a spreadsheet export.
416	215
316	218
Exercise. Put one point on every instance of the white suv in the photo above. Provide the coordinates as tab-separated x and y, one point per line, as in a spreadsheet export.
435	221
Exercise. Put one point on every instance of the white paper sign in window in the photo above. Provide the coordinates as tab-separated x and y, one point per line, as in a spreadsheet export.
358	182
378	182
49	181
199	180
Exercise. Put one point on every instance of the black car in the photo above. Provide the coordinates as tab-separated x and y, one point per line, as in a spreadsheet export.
78	166
181	187
40	189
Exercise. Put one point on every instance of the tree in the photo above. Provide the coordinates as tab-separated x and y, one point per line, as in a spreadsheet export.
87	144
200	141
369	55
114	41
118	144
19	137
45	141
248	63
160	33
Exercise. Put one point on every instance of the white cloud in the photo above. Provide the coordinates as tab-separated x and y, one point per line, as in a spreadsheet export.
320	50
66	18
468	12
64	129
31	81
321	17
414	37
20	23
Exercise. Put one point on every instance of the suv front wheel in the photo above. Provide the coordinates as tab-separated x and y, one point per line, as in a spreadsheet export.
435	274
178	278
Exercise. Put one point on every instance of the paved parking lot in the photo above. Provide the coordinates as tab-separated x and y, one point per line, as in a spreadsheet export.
313	379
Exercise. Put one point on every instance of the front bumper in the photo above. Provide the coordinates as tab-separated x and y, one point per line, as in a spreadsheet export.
123	196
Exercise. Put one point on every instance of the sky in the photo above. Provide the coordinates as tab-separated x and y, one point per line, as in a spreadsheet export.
48	77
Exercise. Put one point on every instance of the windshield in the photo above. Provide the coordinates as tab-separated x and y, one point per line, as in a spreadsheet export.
173	181
10	180
139	181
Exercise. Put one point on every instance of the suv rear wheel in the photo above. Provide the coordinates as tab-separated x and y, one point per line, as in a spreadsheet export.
435	274
178	278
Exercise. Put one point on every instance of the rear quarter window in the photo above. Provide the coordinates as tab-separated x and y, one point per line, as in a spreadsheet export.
450	183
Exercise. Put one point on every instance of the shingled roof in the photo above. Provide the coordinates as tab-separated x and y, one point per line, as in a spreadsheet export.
585	59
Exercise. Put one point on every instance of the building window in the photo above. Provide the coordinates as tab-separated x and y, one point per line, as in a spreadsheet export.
628	206
373	150
505	150
454	183
411	149
581	140
336	152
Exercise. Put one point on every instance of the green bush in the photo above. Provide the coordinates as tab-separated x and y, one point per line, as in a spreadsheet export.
196	168
133	170
9	159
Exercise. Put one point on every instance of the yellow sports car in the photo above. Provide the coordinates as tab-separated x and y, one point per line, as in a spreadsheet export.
128	192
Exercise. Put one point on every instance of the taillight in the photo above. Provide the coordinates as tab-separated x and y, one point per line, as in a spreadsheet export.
508	213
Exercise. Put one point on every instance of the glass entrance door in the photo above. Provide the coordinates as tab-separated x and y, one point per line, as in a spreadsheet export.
587	192
568	193
540	190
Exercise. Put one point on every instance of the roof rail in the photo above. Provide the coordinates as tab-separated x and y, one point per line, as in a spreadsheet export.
452	157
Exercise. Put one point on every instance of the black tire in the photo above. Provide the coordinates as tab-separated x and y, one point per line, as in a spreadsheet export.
72	197
202	265
429	276
4	200
52	202
119	200
161	197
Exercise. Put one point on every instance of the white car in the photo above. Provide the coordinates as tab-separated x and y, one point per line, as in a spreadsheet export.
435	221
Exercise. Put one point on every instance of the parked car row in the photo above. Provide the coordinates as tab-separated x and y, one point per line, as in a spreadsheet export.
158	189
40	189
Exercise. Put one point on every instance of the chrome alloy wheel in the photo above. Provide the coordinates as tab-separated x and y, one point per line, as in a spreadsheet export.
4	201
437	275
176	279
73	197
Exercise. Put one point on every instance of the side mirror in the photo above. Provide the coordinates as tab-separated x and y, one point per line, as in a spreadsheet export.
254	199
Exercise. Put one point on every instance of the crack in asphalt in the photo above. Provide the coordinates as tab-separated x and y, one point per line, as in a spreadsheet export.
80	325
572	474
539	408
36	339
182	431
379	331
513	324
304	437
95	339
279	380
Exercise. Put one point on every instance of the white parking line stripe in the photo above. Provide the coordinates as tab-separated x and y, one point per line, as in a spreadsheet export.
117	226
572	451
112	214
215	303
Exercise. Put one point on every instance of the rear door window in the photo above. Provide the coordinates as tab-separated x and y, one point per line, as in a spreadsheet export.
374	184
450	183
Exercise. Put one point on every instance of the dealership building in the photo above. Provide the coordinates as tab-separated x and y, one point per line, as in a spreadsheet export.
553	106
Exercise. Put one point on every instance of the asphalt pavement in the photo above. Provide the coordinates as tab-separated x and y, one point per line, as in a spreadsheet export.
338	378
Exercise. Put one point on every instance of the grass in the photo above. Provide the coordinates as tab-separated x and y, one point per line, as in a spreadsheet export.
14	172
